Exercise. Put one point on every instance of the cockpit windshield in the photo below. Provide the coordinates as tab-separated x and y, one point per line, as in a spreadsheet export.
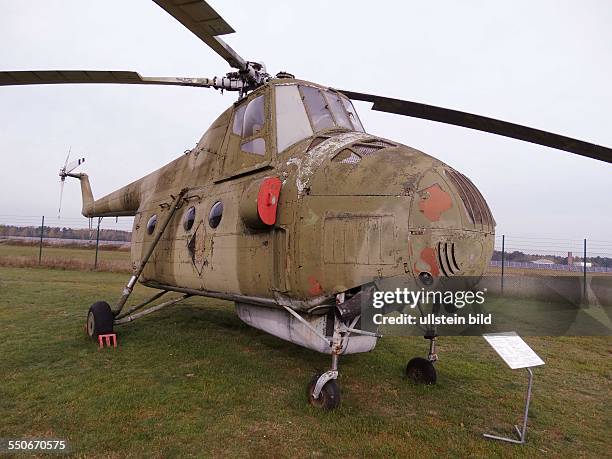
303	110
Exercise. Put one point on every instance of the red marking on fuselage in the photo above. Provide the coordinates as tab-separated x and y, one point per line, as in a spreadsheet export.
428	255
315	287
438	202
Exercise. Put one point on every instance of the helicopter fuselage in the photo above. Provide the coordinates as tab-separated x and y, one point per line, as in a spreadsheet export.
352	207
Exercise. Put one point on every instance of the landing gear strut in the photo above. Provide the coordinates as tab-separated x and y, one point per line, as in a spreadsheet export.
323	390
101	317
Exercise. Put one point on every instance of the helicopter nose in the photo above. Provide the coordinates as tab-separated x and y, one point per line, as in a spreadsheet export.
451	227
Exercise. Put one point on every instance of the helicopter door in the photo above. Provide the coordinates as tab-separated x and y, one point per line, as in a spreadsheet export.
247	147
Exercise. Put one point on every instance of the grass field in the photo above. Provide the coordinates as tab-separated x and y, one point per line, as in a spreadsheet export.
195	381
65	258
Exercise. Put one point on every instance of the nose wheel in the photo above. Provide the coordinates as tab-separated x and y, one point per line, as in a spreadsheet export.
421	370
329	393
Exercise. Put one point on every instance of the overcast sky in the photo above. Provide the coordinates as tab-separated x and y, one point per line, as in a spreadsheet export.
546	64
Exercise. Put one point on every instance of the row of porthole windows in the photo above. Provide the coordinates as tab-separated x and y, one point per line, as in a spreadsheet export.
214	218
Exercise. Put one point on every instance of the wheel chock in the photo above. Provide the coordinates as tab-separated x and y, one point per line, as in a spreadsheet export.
111	337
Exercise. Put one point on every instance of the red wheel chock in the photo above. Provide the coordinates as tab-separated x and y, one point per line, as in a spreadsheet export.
107	338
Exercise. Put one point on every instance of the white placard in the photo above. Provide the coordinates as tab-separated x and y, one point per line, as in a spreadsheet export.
513	350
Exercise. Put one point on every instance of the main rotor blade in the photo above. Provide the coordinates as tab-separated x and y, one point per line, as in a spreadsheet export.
23	77
201	19
483	123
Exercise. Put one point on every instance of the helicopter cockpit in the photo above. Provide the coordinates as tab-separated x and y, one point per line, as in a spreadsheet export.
279	116
303	110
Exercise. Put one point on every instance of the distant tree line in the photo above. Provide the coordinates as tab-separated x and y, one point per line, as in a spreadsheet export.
527	257
65	233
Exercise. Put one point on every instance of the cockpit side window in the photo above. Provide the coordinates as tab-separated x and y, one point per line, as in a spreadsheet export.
352	115
247	143
337	108
317	107
254	118
249	122
238	120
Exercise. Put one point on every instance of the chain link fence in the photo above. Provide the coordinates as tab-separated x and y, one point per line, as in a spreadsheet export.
102	243
577	270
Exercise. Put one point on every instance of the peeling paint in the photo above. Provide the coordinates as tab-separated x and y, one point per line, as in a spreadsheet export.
428	256
310	162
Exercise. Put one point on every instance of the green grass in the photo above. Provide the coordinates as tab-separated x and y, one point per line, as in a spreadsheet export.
193	380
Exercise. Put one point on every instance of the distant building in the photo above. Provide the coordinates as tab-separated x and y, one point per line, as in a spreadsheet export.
543	261
581	264
571	262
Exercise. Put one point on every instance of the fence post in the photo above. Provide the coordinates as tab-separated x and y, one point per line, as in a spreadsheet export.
97	243
584	272
42	232
502	262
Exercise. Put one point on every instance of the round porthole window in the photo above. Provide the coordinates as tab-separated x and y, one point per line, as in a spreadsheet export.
216	212
151	224
189	218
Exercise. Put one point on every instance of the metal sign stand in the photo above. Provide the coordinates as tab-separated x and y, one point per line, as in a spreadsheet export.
517	354
522	433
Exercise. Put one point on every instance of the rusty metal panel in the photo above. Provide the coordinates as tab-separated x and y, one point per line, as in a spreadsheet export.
362	240
374	241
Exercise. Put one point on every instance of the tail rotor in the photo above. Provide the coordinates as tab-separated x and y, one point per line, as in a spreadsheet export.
65	172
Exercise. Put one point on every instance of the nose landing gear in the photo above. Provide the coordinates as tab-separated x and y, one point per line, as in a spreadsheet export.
323	390
421	370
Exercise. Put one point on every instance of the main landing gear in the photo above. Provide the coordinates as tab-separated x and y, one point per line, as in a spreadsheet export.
101	317
100	320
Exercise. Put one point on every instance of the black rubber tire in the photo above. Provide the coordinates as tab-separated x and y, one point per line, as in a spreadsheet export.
329	398
421	371
99	320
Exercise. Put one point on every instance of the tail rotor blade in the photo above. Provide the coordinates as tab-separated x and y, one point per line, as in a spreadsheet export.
74	164
67	158
59	210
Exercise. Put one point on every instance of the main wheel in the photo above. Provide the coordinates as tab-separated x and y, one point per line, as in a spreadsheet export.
99	319
421	371
329	398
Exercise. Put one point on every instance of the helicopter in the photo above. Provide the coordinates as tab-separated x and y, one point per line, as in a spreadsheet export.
290	209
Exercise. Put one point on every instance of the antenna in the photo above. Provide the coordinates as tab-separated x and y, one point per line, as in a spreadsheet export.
65	172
